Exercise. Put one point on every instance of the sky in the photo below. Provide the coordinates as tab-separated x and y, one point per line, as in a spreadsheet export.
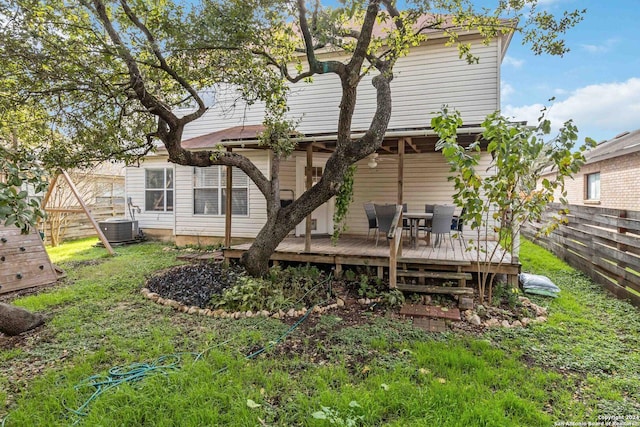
597	83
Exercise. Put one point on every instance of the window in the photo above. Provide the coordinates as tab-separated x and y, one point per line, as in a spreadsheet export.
210	194
158	190
593	186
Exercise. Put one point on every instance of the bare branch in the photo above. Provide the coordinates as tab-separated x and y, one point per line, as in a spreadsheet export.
137	82
165	66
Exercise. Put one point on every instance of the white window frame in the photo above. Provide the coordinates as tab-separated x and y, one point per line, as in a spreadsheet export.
221	188
592	186
167	187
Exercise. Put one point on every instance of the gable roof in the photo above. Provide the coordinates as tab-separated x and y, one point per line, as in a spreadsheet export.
622	144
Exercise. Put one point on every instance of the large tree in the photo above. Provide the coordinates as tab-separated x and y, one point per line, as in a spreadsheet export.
110	74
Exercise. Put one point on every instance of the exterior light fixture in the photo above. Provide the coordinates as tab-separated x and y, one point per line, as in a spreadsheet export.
373	163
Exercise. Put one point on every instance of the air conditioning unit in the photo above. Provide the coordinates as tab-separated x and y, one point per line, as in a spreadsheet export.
119	230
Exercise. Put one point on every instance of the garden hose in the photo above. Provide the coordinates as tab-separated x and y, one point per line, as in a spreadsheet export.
169	363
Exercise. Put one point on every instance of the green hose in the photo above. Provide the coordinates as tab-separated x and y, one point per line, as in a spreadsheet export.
165	364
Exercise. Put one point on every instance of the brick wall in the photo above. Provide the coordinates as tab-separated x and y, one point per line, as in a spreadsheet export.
619	183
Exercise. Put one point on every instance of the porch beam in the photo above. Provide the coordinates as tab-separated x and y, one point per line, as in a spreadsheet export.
412	145
387	149
228	198
308	172
323	146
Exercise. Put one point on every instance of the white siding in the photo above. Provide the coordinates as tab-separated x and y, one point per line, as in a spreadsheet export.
188	223
134	188
432	75
425	181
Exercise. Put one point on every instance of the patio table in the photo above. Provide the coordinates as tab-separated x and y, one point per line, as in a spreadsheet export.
414	219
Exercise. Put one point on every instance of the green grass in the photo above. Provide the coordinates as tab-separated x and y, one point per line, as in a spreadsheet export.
581	364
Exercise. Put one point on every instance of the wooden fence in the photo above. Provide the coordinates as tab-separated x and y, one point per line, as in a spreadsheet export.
603	243
79	226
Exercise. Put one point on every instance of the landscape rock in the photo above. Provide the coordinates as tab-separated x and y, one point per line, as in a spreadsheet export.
505	323
540	311
541	319
340	302
525	321
481	310
475	320
525	301
516	324
492	322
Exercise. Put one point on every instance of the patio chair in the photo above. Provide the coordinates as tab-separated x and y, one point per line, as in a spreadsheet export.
371	217
384	215
427	222
406	227
441	223
457	223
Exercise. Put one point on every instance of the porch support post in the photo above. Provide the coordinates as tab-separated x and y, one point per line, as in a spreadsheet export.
400	170
309	175
228	198
400	186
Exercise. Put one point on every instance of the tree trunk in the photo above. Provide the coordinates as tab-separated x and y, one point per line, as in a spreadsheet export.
15	320
256	259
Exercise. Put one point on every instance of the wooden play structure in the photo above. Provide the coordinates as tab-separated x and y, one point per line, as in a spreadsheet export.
24	263
83	207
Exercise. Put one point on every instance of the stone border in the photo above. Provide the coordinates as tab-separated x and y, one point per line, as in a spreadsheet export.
280	314
470	316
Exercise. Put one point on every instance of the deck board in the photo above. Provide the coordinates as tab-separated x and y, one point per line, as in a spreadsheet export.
354	250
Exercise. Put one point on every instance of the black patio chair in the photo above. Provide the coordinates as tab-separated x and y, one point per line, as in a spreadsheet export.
385	215
371	218
457	224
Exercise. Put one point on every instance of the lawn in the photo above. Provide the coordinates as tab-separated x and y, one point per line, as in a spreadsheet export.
581	366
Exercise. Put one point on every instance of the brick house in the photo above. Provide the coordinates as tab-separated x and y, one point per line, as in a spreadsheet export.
611	176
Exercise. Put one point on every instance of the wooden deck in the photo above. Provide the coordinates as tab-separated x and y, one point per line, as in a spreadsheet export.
358	251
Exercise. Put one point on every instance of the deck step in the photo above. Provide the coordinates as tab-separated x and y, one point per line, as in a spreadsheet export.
454	290
435	274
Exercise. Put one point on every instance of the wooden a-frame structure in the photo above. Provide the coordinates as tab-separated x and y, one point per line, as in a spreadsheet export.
84	208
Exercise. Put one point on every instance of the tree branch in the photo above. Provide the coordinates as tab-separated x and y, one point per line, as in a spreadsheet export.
165	66
154	105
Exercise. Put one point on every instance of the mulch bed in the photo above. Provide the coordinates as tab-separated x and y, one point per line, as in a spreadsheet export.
193	284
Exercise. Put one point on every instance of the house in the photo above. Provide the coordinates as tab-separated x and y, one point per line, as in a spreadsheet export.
610	177
187	205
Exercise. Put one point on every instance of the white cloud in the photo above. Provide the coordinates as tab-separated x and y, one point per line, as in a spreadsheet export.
605	46
513	62
505	90
600	111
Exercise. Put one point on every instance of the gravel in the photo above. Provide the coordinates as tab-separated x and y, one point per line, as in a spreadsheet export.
193	284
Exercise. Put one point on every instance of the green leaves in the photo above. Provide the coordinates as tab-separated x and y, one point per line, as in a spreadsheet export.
527	170
20	171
